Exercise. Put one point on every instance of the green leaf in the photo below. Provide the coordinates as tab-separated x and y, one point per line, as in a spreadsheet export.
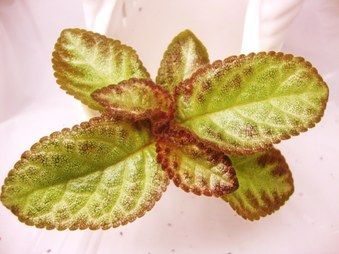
184	55
100	174
244	104
265	184
136	99
194	168
84	61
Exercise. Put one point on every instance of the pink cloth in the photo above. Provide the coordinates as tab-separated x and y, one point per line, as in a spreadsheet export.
32	105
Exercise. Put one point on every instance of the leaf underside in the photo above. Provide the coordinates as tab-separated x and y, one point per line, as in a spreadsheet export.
195	168
100	174
265	184
244	104
84	61
184	55
136	99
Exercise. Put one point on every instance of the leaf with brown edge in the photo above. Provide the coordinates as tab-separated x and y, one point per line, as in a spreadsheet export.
245	104
184	55
136	99
195	168
84	61
99	174
265	184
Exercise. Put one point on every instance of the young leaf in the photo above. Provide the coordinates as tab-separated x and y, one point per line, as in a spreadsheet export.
136	99
265	184
100	174
244	104
84	61
196	169
184	55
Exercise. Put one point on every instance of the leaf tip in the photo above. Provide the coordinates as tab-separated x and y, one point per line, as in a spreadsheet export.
257	196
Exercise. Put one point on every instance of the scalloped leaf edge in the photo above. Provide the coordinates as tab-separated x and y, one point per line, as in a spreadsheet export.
64	84
157	117
56	134
174	41
180	138
265	211
186	86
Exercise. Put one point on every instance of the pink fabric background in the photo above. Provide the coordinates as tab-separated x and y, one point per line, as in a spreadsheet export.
32	105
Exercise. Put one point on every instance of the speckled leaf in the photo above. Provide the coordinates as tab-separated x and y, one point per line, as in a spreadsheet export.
244	104
136	99
265	184
84	61
184	55
100	174
195	168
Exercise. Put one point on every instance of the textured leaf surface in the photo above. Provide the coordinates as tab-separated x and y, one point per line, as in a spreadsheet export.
136	99
100	174
84	61
196	169
244	104
184	55
265	184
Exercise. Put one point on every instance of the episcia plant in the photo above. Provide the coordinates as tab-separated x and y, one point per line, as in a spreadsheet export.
208	127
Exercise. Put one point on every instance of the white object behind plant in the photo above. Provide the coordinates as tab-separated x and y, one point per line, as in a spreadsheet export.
32	105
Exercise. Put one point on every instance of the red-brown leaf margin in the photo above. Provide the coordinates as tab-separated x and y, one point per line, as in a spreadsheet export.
279	200
178	137
80	224
185	88
59	66
157	117
178	37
